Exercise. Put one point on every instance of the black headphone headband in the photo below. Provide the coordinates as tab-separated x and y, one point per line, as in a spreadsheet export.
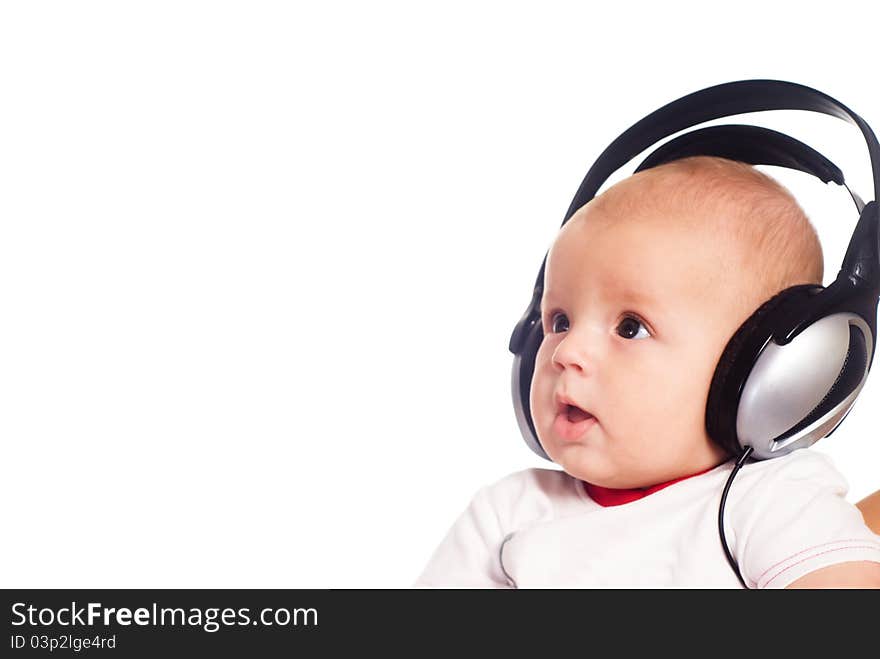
714	103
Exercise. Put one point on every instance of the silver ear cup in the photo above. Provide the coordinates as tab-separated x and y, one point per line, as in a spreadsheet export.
799	392
521	383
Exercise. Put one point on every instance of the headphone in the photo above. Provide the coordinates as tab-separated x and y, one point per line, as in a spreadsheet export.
792	371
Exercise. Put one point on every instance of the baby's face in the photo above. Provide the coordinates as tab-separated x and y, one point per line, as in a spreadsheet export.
635	317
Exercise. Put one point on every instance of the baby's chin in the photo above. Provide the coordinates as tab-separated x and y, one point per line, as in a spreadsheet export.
610	479
584	463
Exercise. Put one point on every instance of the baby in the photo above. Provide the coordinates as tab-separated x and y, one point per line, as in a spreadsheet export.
643	287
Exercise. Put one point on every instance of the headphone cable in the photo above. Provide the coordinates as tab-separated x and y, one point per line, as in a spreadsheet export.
747	451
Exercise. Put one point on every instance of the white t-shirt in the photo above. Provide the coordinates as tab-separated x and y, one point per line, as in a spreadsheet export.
538	528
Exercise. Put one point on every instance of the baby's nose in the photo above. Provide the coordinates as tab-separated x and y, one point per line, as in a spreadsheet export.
576	353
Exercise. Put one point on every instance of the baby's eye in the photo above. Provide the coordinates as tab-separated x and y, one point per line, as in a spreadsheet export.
555	327
629	328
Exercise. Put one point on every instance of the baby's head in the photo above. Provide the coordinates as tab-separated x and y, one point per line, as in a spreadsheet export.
643	287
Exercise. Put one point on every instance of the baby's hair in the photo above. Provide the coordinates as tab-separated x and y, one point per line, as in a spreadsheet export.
743	207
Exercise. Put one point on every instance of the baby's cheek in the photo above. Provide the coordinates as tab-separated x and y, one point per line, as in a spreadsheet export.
670	413
538	393
646	415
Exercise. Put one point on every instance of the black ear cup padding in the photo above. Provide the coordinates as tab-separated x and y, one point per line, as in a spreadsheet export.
720	409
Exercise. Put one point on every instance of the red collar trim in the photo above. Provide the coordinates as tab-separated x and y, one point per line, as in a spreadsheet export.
606	496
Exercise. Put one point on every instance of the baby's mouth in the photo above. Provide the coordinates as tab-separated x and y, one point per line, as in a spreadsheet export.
575	414
572	422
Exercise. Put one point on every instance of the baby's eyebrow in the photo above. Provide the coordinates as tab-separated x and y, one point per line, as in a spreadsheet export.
624	295
636	295
545	298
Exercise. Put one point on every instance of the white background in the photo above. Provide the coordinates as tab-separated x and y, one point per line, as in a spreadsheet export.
260	262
